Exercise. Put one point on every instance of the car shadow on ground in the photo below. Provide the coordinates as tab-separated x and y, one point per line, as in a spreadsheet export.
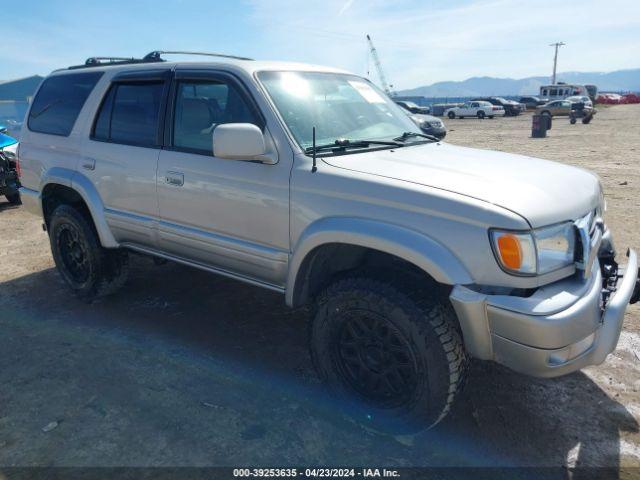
4	205
220	372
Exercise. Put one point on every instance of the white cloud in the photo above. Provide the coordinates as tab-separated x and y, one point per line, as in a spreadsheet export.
345	7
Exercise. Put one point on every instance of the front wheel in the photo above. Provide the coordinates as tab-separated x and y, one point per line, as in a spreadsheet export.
90	270
394	353
480	114
451	115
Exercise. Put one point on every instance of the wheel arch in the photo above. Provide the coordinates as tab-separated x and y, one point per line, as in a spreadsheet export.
66	186
357	237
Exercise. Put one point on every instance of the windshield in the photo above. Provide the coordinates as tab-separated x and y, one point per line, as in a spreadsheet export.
339	106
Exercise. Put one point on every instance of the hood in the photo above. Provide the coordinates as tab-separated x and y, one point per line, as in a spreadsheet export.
423	117
541	191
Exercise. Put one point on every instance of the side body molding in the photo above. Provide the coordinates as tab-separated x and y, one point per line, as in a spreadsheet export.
89	194
414	247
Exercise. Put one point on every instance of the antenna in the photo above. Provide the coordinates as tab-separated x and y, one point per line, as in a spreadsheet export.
314	169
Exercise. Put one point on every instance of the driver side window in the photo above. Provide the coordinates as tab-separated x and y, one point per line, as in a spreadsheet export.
200	106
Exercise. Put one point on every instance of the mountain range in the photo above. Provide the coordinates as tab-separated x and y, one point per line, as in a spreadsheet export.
618	81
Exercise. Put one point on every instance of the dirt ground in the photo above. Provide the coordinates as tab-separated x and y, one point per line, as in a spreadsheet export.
186	368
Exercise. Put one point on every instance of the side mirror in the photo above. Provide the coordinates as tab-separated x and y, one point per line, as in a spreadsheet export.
238	141
3	128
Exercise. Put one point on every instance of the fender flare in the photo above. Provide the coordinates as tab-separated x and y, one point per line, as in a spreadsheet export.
83	186
414	247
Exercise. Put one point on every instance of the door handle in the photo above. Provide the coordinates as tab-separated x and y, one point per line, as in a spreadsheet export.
89	164
174	178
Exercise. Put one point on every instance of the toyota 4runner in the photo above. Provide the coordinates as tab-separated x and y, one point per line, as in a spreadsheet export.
311	182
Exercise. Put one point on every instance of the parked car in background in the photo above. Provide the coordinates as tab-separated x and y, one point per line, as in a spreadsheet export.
480	109
531	103
558	108
609	98
430	125
413	107
580	99
511	108
8	169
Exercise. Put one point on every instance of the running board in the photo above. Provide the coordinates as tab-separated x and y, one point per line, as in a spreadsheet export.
201	266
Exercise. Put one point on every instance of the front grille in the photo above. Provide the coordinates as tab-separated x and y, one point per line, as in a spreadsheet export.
587	229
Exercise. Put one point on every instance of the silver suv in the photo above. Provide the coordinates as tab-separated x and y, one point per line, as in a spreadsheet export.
311	182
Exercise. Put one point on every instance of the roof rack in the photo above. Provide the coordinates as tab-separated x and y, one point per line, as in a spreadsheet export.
152	57
101	61
155	56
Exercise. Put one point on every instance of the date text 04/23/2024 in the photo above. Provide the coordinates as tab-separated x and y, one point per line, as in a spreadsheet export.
315	472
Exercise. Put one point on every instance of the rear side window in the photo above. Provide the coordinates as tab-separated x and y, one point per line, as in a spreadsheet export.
130	114
59	101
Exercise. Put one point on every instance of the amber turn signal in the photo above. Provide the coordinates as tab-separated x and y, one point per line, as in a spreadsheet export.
510	251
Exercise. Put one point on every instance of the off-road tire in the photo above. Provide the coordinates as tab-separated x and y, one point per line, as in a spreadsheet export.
14	199
106	269
480	114
428	323
451	115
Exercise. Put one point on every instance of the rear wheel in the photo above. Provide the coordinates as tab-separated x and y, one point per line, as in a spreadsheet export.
480	114
451	115
90	270
393	353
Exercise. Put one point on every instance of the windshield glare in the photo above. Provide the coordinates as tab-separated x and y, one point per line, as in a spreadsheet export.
339	106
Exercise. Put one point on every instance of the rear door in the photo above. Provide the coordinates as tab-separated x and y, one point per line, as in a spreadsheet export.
231	215
121	155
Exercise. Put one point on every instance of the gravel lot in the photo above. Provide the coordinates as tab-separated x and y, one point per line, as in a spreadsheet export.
185	368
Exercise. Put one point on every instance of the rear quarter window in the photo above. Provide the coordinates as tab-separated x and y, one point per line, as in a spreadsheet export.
59	101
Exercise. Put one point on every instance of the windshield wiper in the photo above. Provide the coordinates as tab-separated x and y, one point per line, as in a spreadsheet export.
344	143
407	135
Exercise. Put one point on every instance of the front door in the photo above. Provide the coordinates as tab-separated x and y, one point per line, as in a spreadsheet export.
232	215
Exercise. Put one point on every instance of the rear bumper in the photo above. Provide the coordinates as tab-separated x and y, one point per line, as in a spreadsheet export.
561	328
31	201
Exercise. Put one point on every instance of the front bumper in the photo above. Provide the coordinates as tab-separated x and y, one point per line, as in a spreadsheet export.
562	327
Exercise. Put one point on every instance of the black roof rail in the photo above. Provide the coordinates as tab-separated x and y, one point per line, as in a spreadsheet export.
155	56
152	57
101	61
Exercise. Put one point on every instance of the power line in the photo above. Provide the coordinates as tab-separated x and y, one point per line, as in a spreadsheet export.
555	60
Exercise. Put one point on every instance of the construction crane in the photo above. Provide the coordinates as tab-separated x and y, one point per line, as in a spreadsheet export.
383	80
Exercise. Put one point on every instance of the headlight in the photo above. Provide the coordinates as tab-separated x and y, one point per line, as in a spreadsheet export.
537	252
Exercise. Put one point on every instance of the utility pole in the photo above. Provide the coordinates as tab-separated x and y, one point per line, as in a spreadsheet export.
555	60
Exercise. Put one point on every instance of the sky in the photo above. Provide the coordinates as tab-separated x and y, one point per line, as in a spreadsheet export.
419	42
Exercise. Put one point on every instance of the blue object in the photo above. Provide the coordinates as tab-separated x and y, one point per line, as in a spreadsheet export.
6	140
